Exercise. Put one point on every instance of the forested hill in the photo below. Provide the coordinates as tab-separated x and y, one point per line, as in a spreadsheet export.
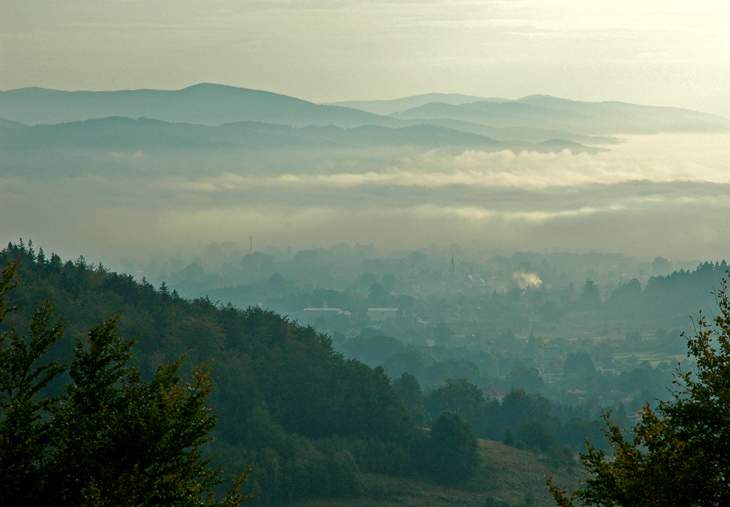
308	420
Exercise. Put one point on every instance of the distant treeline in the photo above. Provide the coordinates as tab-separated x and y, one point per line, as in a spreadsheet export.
519	419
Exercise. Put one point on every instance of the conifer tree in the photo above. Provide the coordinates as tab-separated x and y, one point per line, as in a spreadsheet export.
109	438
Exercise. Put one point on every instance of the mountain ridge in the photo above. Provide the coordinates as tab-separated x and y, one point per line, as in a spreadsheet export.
595	118
533	118
120	132
203	103
389	106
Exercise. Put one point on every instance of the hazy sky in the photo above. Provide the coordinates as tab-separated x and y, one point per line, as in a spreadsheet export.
652	51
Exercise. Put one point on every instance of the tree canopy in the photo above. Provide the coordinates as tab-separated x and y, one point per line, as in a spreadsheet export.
107	437
452	447
308	420
680	451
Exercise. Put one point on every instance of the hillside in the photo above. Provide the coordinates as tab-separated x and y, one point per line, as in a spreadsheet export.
313	424
215	105
517	133
286	403
207	104
540	111
507	475
126	133
8	124
390	106
122	133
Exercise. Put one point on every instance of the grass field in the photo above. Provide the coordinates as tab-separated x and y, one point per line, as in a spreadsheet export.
512	476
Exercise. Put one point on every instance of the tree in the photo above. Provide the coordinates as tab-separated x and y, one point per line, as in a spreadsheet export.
108	437
579	364
535	436
625	300
378	295
22	430
661	266
409	393
459	397
524	377
452	449
680	452
372	347
262	360
590	297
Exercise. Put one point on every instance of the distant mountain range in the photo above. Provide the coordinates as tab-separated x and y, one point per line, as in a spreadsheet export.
211	115
546	112
397	105
120	133
205	104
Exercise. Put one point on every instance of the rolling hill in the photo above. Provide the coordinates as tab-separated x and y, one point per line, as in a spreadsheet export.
280	387
317	427
516	134
534	118
120	133
206	104
508	477
396	105
10	124
594	118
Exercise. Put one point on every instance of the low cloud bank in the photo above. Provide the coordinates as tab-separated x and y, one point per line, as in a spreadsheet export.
651	195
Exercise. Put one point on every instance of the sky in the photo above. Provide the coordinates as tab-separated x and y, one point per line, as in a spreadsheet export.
664	52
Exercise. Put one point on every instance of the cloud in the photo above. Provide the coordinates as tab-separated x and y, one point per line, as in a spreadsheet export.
655	195
658	159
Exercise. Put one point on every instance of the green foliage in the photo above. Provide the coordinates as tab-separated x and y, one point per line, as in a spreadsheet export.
457	396
520	419
452	449
409	393
535	436
23	432
109	438
680	452
590	297
280	387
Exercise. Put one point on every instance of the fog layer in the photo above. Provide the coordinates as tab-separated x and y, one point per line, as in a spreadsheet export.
632	198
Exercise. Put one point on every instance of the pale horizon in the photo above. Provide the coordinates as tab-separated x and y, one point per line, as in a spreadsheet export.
664	53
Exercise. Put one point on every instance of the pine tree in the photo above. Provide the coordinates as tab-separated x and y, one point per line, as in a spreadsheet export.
109	438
